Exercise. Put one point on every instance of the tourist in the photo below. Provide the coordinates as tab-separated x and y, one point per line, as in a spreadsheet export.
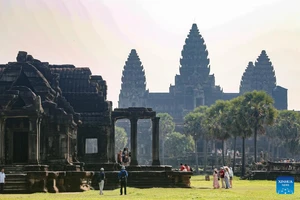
122	176
188	168
119	157
182	167
230	176
124	153
216	184
101	178
221	174
2	180
226	178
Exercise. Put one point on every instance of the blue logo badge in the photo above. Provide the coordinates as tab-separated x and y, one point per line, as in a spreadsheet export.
285	185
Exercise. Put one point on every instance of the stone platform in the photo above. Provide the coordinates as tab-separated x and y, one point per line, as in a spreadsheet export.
145	176
272	175
37	178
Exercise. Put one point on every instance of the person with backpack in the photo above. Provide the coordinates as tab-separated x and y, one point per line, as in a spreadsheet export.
122	176
101	178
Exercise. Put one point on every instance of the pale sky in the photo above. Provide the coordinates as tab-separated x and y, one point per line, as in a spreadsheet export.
100	34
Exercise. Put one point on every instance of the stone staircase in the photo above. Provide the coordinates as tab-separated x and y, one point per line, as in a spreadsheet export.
16	181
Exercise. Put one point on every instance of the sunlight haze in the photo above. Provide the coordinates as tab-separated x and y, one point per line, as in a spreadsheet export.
100	34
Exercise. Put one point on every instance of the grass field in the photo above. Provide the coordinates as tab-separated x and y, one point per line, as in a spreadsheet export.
201	189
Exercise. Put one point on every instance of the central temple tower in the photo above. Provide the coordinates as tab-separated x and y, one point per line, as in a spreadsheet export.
194	86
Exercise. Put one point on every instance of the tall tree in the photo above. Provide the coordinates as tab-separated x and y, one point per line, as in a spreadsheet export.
194	125
121	138
166	127
178	144
220	123
240	127
259	110
288	130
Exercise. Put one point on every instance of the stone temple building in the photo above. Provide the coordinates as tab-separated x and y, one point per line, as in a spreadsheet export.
52	114
194	85
57	128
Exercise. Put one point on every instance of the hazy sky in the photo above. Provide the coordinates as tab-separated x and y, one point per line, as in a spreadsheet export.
100	34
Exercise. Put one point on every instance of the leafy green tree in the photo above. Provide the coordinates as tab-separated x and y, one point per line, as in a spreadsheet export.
121	138
178	144
287	130
259	110
220	122
166	127
195	126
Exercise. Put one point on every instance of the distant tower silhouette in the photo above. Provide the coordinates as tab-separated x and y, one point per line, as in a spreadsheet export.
248	79
259	77
194	86
133	88
265	74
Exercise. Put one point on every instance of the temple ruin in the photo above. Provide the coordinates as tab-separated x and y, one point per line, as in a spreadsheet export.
57	129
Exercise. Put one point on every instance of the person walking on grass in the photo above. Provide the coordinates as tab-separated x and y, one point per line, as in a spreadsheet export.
122	176
101	178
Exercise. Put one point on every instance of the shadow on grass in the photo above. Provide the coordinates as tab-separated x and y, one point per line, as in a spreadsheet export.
193	187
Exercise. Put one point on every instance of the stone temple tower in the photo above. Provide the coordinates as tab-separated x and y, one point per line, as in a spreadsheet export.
194	86
133	88
261	76
248	79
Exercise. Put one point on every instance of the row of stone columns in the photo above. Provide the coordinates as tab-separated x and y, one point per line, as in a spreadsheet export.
133	140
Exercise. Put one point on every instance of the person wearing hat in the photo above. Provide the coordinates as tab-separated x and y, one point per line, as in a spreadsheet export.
122	176
101	178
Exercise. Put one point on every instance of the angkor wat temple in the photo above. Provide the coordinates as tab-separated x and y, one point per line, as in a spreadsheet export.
195	86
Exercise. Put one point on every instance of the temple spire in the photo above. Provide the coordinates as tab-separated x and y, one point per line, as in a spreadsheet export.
264	73
194	54
133	86
248	79
259	77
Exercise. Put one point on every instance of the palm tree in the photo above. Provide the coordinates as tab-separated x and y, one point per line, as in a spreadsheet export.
258	106
219	126
287	127
194	125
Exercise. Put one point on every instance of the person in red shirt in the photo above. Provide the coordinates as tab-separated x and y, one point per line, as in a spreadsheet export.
188	168
221	174
182	167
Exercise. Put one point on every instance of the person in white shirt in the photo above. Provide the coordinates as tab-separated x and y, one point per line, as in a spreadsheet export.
2	180
230	176
226	178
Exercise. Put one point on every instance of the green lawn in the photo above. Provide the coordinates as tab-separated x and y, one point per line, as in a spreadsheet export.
242	189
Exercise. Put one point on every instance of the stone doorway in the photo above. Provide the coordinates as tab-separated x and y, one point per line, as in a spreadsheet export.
20	147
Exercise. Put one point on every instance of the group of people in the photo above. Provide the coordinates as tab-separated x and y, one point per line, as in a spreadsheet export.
185	168
225	174
122	176
123	157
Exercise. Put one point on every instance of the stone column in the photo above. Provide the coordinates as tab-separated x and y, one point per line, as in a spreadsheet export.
133	140
112	143
34	141
2	141
155	141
